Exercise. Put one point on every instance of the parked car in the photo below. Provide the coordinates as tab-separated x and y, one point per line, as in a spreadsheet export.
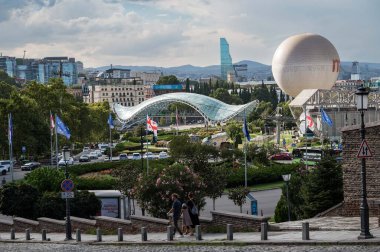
30	166
84	158
86	149
281	156
149	155
163	154
136	156
3	169
6	163
93	155
99	153
123	156
63	163
106	158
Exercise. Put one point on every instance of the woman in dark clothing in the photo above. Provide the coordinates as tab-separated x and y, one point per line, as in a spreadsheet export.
190	205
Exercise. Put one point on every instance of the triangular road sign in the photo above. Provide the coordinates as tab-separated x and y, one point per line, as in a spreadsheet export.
364	150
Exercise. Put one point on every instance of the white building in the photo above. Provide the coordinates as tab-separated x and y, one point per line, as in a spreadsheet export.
147	78
125	91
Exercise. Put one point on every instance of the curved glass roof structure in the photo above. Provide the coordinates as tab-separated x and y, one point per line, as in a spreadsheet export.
211	109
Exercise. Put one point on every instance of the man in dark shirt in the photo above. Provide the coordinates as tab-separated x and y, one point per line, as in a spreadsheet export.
176	210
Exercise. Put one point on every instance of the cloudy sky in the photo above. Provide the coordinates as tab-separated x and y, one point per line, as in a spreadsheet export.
178	32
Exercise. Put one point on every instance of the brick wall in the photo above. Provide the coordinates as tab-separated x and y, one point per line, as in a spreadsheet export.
352	166
85	225
20	224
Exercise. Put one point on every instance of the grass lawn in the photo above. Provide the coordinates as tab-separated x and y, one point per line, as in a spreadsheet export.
262	187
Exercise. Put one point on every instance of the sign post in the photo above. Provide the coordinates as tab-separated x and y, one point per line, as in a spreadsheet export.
364	150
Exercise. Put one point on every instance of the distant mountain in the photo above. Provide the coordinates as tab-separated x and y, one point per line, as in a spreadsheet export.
255	70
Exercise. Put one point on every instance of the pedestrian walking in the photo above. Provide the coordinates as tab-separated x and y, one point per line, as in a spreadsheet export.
186	220
193	210
176	211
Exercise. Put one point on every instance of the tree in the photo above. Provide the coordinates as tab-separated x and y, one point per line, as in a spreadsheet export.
153	191
323	187
187	85
234	131
238	196
170	79
215	178
85	204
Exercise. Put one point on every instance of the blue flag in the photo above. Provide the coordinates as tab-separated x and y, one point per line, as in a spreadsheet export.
10	129
325	118
62	128
245	130
110	121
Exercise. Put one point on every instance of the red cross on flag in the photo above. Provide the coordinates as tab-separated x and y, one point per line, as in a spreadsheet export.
151	125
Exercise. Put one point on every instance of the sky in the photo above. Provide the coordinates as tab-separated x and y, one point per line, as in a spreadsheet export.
179	32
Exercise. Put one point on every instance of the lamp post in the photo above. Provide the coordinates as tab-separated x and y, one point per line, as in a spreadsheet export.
362	105
66	157
286	178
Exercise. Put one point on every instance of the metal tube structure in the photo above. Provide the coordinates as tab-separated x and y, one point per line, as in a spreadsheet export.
68	221
364	212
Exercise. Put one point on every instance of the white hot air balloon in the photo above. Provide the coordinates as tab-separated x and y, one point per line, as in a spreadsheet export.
305	61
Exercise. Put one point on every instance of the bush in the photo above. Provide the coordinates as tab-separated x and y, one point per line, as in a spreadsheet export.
101	183
51	205
85	204
19	200
260	174
45	179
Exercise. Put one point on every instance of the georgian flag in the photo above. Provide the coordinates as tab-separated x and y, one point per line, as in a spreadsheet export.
151	125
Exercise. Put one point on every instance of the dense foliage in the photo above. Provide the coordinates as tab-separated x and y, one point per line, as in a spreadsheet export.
311	192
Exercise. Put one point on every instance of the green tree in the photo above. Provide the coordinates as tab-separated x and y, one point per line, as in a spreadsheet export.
85	204
323	187
238	196
170	79
51	205
187	85
234	131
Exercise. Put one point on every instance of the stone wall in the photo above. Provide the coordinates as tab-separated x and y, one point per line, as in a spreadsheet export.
52	225
352	166
218	223
112	224
152	224
240	222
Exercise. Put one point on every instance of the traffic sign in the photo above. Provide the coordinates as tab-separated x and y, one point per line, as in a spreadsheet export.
364	151
67	195
67	185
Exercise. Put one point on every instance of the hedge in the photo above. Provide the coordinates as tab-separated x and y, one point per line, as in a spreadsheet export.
259	174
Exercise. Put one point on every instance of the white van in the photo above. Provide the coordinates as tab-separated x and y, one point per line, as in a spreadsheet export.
136	156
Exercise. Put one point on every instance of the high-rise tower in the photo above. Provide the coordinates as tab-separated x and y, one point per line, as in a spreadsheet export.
225	59
355	72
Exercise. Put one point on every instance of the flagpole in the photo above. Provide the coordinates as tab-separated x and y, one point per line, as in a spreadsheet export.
110	143
245	156
147	159
176	119
321	125
10	139
56	142
306	136
51	140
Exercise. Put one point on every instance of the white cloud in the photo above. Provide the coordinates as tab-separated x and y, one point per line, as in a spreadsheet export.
175	32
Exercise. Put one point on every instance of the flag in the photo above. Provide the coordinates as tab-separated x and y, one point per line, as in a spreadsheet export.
62	128
110	121
309	121
52	124
325	118
10	129
151	125
245	129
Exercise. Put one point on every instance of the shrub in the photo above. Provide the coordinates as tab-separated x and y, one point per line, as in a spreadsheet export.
51	205
19	200
85	204
46	179
238	196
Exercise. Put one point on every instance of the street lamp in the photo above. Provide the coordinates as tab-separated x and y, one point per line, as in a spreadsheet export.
362	105
66	157
286	178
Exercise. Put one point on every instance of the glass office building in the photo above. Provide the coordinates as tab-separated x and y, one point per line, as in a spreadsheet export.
225	59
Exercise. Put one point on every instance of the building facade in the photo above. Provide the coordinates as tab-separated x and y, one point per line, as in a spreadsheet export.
225	59
8	65
124	91
147	78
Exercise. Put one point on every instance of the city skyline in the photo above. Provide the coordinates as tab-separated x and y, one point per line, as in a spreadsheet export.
172	33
